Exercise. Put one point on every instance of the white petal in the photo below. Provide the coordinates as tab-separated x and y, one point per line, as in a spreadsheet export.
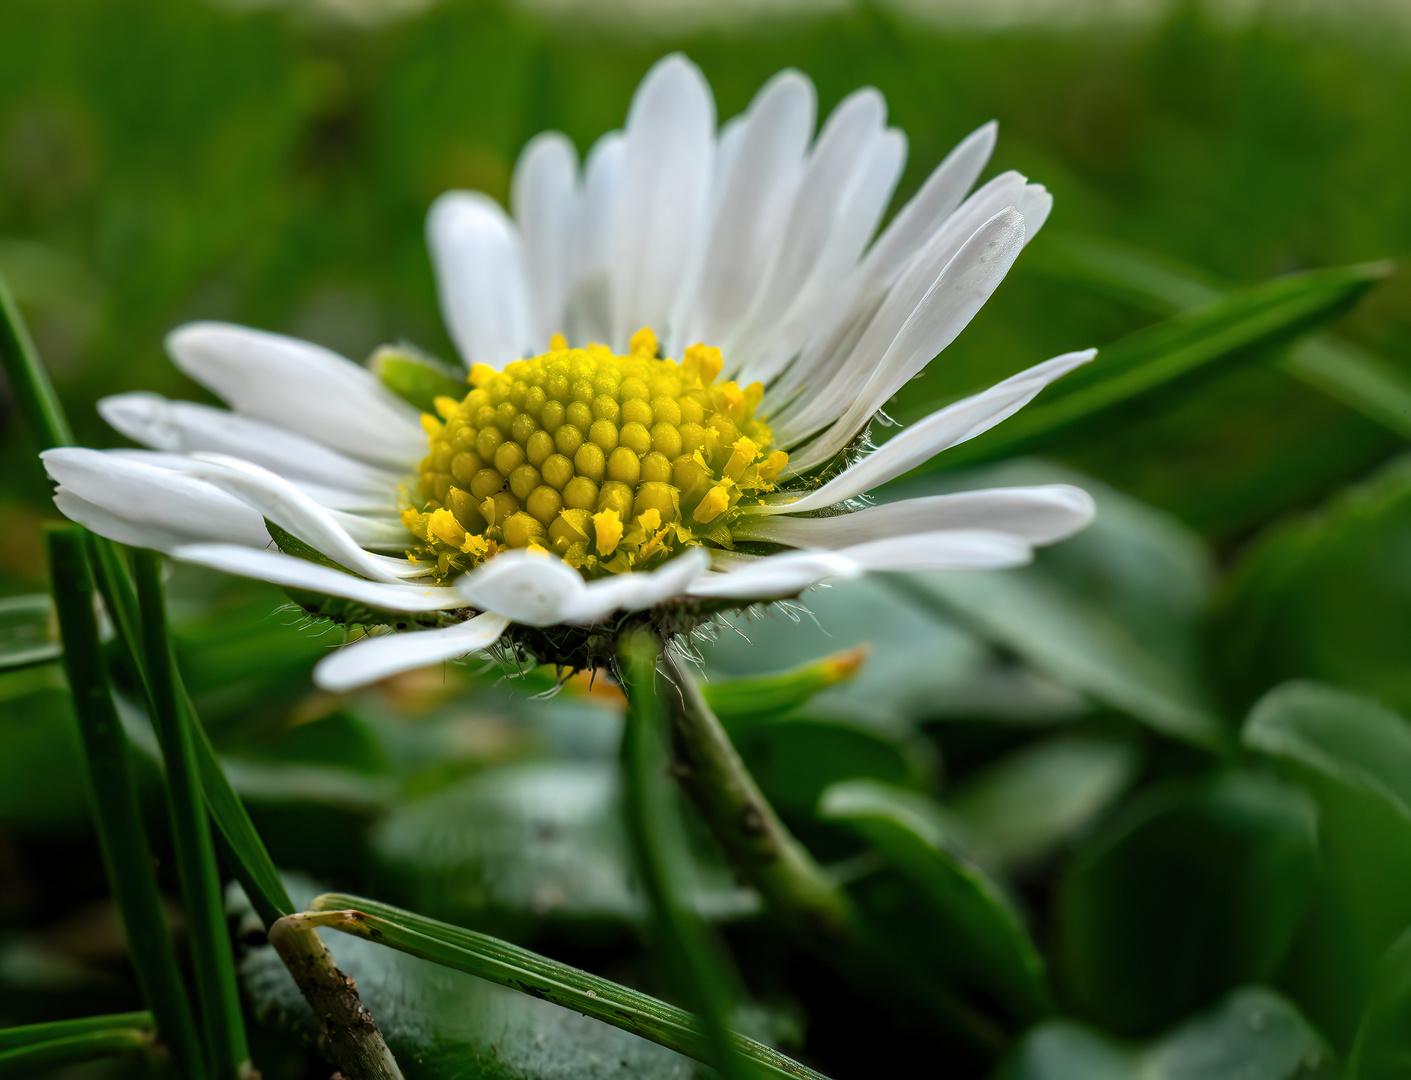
849	177
847	348
1038	515
302	387
970	549
533	588
942	429
638	591
1035	204
479	266
182	427
145	504
545	198
937	318
373	658
928	209
289	508
775	577
756	187
286	570
588	316
663	201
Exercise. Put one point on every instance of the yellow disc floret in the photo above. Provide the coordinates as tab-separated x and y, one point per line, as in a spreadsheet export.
611	462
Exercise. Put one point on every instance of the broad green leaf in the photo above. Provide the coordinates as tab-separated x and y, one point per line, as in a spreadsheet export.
548	980
1193	889
1382	1049
528	841
1113	613
29	634
417	378
1028	802
1352	375
1244	324
1252	1034
969	924
41	785
1347	737
1324	596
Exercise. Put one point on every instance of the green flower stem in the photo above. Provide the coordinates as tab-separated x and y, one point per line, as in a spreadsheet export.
658	842
116	813
37	1058
760	846
214	963
28	377
353	1036
13	1038
519	969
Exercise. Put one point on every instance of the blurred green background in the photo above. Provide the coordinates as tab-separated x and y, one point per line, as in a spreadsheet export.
1078	723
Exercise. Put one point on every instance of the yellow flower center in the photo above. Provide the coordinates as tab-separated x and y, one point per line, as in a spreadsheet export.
611	462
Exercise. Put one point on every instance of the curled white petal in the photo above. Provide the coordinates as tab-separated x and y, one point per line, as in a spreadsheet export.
1039	515
293	510
479	277
937	318
134	498
182	427
638	591
942	429
374	658
290	572
775	576
301	387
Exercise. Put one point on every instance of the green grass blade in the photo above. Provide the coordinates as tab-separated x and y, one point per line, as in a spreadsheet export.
1359	379
214	964
13	1038
520	969
35	1060
117	816
33	391
657	841
738	701
1243	324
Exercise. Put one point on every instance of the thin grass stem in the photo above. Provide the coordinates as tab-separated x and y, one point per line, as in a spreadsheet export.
37	1059
12	1038
117	815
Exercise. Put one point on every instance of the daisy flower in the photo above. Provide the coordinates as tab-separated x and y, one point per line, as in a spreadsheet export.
674	357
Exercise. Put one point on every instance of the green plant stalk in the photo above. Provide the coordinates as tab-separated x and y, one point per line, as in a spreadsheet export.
353	1037
72	1049
760	846
519	969
657	842
28	377
214	964
12	1038
116	813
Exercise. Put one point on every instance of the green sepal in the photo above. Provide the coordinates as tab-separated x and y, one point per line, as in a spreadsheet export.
416	378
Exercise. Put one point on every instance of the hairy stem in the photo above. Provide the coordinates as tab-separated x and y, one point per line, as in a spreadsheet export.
353	1037
760	846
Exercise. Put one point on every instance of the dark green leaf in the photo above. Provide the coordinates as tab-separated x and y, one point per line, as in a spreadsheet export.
1028	802
1324	597
1347	737
1192	890
1253	1034
1245	324
975	928
1382	1049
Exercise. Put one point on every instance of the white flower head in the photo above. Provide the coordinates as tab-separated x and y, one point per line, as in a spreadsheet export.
674	355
